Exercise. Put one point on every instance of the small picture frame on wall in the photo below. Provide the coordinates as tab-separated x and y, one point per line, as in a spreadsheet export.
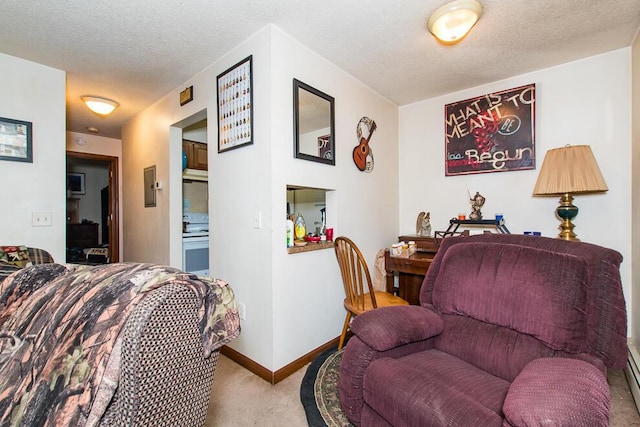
235	106
149	187
75	183
16	140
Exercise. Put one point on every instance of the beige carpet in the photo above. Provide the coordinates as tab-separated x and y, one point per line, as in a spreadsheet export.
240	398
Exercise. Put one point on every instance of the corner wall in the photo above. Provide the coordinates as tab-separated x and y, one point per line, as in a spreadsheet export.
293	302
307	287
34	93
582	102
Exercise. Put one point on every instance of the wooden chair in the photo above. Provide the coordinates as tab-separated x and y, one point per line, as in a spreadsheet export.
360	296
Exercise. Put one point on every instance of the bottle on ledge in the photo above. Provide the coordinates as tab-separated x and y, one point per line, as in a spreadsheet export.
300	227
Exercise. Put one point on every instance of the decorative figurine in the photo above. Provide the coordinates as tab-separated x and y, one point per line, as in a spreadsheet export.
423	224
476	203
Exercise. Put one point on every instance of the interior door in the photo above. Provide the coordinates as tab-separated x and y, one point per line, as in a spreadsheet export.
112	220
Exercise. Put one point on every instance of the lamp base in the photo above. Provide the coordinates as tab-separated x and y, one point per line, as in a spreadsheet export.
566	211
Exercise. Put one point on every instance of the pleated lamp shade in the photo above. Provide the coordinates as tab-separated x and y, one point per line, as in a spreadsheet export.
569	169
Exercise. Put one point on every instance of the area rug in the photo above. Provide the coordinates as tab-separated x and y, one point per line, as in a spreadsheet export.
319	391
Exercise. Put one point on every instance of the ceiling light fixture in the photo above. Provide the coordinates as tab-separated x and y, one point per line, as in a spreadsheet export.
451	22
99	105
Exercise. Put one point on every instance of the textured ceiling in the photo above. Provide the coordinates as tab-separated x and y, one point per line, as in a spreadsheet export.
136	51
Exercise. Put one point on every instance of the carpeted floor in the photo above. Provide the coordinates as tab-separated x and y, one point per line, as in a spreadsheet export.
240	398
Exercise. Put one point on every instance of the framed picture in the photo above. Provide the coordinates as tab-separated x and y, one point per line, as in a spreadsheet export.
491	133
235	106
16	140
75	183
149	187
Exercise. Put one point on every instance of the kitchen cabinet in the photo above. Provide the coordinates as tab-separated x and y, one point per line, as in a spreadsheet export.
196	154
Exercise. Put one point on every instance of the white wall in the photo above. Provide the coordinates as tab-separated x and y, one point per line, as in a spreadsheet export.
293	302
307	287
239	184
583	102
34	93
94	144
96	177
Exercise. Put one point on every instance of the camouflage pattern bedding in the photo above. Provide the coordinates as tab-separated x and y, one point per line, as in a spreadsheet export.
59	324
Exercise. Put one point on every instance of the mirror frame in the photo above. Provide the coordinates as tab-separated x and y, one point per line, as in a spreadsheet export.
297	86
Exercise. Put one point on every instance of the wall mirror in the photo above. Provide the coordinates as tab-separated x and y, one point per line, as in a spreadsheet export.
313	124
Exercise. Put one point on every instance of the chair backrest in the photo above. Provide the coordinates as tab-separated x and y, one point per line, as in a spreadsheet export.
606	317
355	273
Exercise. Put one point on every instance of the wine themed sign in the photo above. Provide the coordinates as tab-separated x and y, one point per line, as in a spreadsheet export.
491	133
235	106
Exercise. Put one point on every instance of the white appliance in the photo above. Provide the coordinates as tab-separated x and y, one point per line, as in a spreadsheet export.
195	243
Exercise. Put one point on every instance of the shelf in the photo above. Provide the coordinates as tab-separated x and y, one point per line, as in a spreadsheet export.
310	247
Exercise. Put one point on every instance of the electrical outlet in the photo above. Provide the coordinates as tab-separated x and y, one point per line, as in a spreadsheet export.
241	310
41	219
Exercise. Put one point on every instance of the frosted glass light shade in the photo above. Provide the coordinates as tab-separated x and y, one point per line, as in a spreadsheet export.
98	105
451	22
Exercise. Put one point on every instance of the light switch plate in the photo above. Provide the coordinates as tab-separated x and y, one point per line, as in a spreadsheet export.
41	219
257	219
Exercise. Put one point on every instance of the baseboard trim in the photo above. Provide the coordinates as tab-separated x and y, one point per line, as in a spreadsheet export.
632	372
282	373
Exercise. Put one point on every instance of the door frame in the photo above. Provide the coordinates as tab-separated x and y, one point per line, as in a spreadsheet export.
114	197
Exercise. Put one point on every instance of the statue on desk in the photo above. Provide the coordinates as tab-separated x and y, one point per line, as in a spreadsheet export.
423	224
476	203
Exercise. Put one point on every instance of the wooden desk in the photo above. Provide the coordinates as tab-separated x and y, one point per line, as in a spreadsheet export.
410	271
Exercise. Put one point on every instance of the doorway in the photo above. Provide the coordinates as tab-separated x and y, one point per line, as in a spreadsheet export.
92	215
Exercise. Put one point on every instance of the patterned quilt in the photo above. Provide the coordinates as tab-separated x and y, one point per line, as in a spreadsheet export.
58	327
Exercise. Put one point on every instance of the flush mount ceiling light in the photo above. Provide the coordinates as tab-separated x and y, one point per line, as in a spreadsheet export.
98	105
451	22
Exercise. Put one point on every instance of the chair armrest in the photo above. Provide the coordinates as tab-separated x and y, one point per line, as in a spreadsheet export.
388	327
558	391
384	332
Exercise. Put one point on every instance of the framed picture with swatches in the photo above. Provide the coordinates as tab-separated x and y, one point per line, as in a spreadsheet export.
235	106
16	140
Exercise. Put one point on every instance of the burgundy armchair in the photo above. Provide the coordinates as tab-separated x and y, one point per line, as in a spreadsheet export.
511	331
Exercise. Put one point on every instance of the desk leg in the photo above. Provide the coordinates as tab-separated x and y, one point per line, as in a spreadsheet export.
409	287
390	282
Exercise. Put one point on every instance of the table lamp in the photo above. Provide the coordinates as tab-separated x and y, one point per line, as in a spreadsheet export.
566	171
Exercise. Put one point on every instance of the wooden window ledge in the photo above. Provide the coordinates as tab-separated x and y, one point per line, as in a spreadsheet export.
309	247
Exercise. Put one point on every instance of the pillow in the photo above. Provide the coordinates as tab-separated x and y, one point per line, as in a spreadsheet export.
6	269
16	255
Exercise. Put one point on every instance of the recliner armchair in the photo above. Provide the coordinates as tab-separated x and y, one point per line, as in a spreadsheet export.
511	330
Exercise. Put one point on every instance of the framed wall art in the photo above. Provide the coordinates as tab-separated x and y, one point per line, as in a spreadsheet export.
75	183
16	142
491	133
235	106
